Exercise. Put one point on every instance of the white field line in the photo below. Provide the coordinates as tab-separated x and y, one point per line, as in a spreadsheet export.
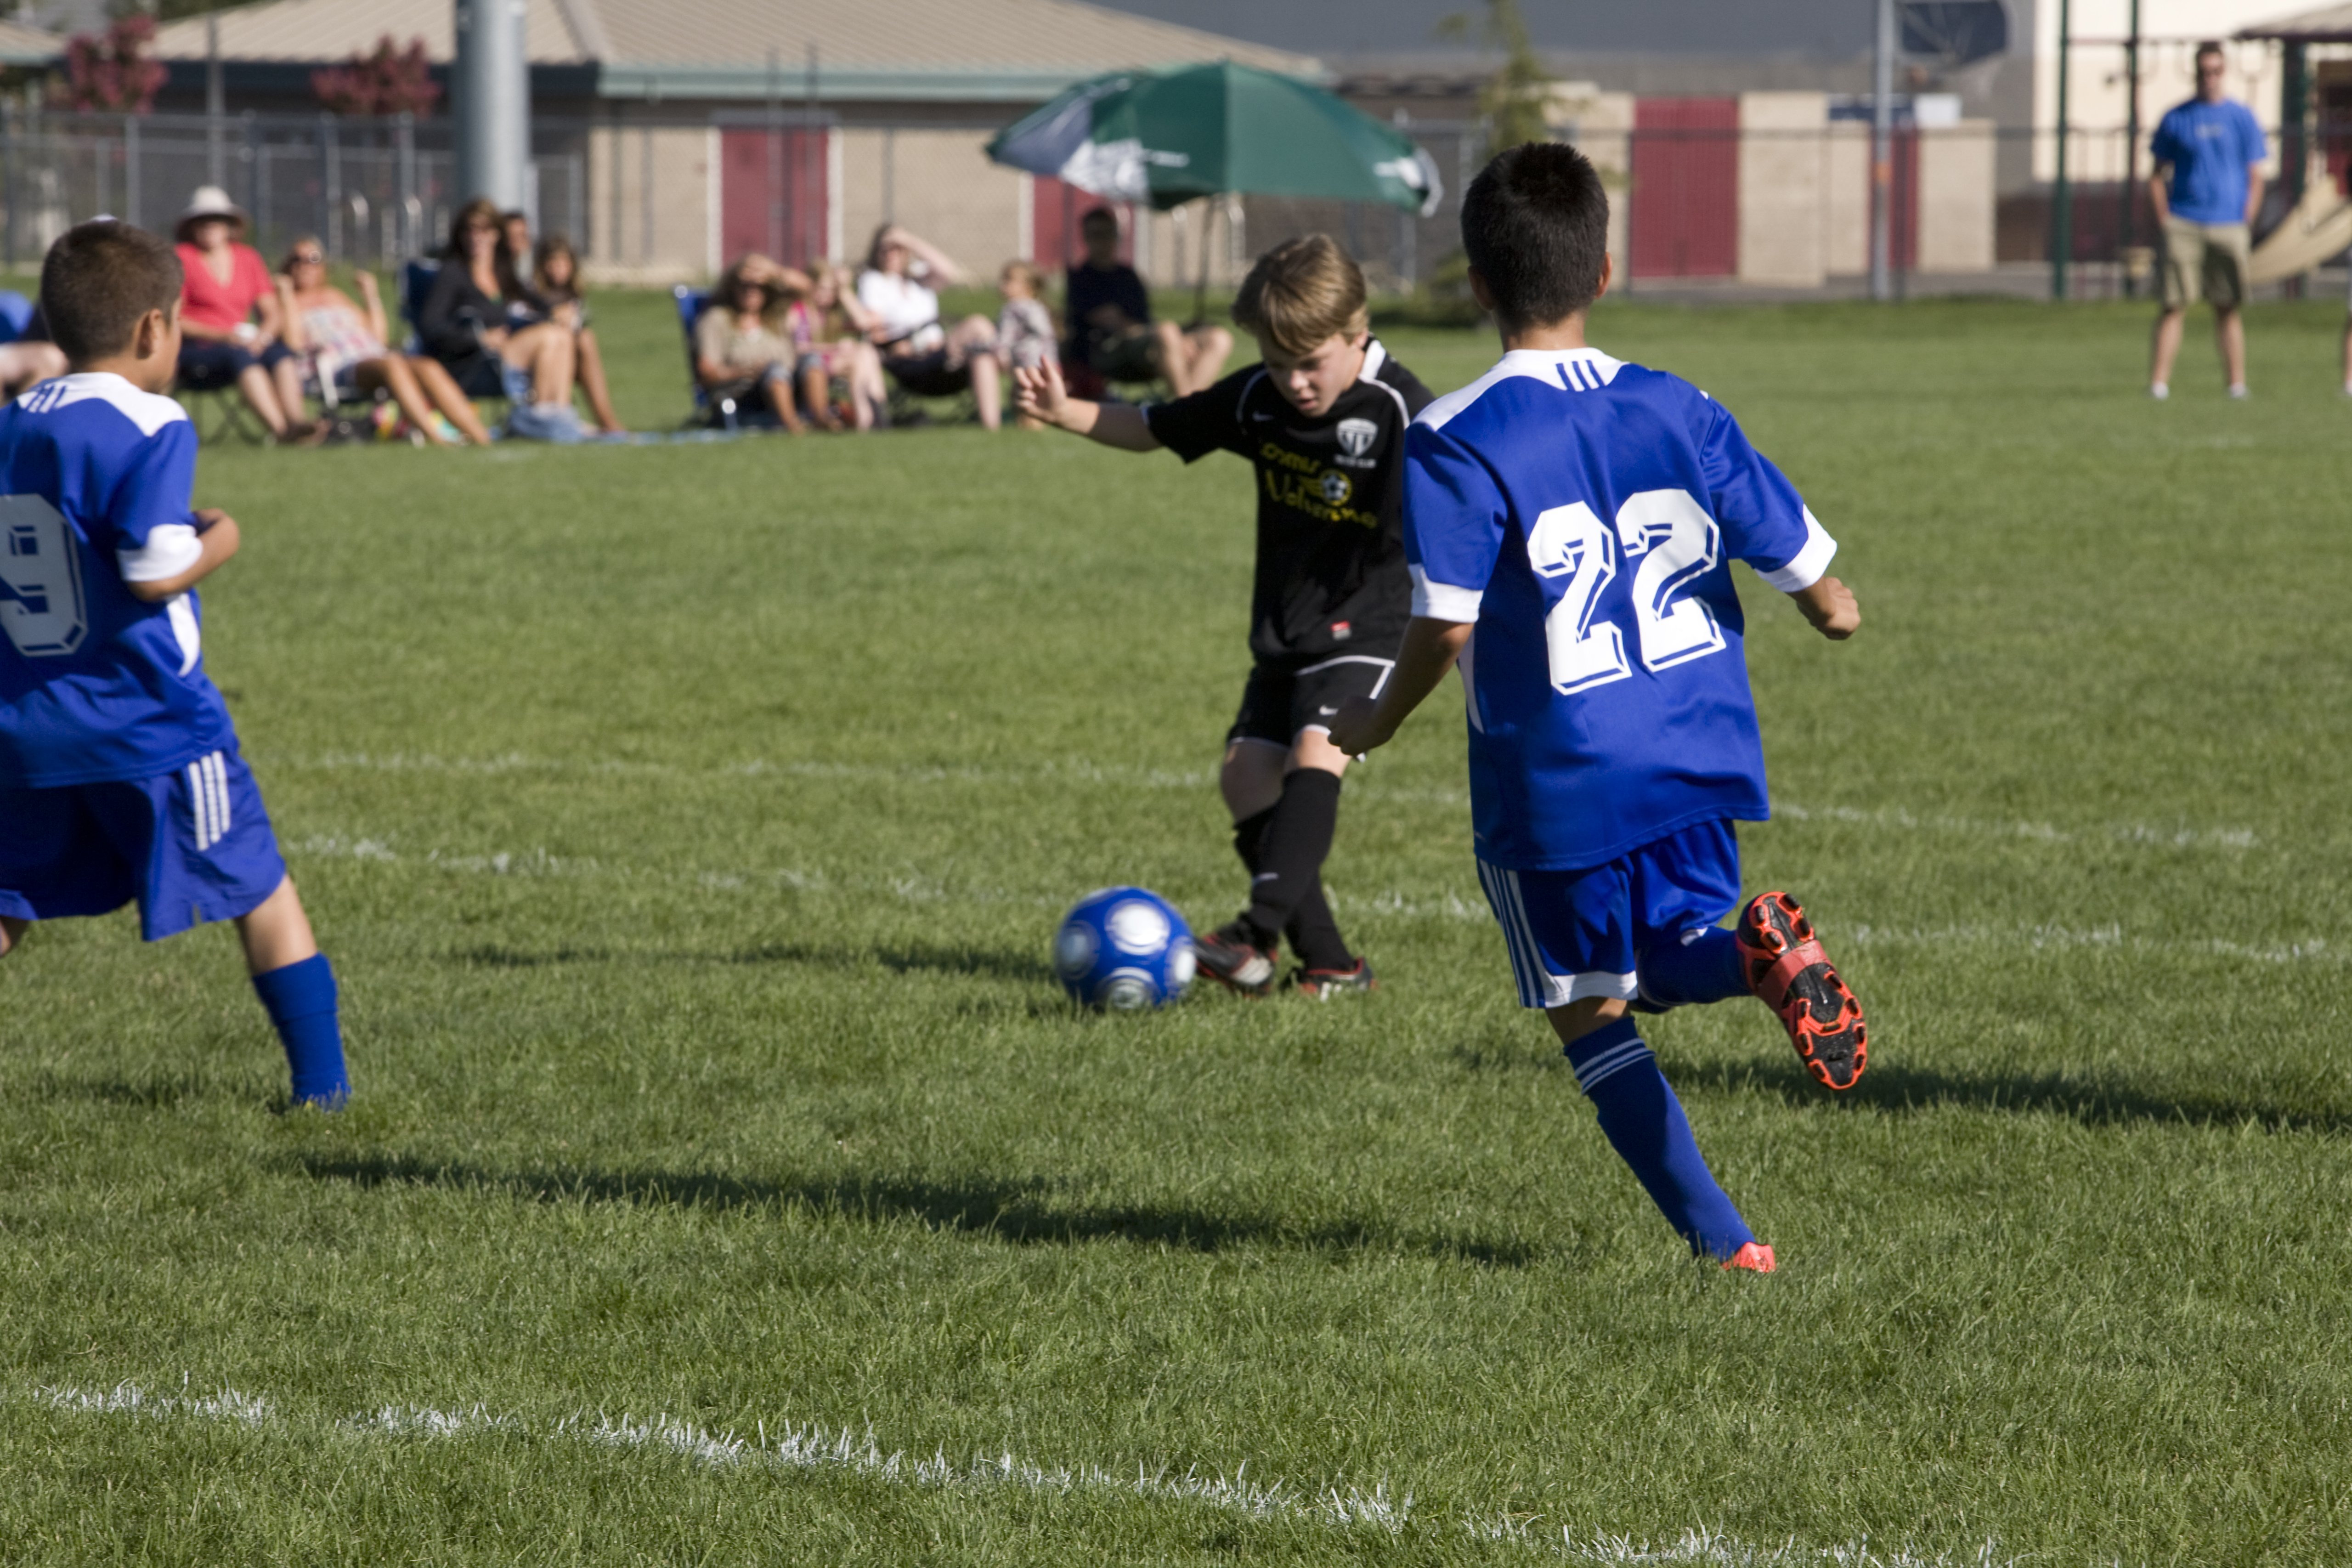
1434	904
814	1449
1366	788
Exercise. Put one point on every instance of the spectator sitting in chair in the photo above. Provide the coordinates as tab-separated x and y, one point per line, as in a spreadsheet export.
921	355
462	324
326	328
829	330
225	283
552	293
741	347
1111	329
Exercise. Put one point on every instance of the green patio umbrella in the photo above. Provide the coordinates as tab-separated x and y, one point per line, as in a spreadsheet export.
1166	137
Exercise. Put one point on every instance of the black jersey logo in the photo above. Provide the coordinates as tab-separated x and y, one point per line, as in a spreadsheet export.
1357	435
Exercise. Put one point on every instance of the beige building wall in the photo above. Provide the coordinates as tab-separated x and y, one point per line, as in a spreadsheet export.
1600	125
653	202
1783	188
1845	216
1956	197
939	183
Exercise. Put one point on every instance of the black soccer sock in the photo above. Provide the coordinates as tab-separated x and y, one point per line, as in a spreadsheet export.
1312	933
1291	852
1249	838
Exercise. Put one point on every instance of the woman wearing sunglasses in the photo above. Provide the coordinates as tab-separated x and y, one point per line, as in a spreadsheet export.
334	334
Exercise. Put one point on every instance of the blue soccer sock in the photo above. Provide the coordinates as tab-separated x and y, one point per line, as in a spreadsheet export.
300	1001
1706	968
1644	1123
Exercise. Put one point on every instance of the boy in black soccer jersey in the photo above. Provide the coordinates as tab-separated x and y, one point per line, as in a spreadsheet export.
1323	418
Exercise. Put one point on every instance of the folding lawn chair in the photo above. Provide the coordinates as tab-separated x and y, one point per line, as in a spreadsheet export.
712	410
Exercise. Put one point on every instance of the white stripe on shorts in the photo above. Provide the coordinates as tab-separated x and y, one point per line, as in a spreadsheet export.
208	799
1538	987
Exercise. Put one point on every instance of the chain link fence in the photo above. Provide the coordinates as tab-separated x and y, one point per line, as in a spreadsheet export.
1709	197
376	191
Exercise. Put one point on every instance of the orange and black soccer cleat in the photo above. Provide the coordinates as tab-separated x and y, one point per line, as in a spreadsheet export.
1752	1255
1789	972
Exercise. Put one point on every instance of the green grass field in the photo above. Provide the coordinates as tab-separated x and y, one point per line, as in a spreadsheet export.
728	1183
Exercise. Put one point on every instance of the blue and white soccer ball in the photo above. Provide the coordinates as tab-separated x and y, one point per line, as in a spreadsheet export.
1125	949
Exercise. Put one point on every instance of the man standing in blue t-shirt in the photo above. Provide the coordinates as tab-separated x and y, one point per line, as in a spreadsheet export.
2207	187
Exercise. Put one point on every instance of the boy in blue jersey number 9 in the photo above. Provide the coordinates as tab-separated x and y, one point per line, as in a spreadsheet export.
119	775
1570	523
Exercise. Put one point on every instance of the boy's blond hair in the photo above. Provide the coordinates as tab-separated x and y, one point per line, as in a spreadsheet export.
1025	274
1302	293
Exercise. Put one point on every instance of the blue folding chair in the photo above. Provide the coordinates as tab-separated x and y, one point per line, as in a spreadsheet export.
712	411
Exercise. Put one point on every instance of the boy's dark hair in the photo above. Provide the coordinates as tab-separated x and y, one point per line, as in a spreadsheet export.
99	280
1096	216
1535	223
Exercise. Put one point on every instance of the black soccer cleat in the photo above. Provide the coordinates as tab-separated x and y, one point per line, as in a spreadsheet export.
1322	984
1229	957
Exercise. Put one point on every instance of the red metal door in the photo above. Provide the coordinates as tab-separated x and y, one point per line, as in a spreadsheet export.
772	193
1685	218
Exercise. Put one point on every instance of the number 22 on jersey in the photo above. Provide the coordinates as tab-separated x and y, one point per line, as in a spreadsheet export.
1675	542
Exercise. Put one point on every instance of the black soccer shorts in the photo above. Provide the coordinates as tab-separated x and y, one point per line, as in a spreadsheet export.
1278	705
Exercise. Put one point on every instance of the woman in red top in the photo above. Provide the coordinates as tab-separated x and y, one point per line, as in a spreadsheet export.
226	283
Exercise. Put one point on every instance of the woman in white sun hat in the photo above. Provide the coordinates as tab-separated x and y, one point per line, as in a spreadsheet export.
230	328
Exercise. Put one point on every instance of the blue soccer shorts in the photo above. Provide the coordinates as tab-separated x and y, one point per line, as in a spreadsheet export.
1574	934
191	846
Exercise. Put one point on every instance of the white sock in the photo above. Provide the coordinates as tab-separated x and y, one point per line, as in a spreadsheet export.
2239	390
2158	390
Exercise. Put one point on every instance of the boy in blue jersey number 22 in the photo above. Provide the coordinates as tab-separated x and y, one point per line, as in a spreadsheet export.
119	776
1570	523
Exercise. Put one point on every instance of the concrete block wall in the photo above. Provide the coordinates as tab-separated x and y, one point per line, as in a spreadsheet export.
653	202
1784	177
936	182
1956	197
1600	125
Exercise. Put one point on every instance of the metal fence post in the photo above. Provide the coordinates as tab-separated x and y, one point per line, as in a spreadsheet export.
131	192
2061	216
248	152
404	135
8	184
330	186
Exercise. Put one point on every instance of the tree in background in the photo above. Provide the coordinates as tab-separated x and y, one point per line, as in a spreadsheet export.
1512	100
388	80
109	72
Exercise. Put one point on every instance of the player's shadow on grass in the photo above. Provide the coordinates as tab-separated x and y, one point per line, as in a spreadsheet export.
905	958
1023	1213
1895	1088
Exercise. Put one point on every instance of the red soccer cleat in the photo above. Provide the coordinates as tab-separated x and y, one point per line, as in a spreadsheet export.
1754	1255
1322	984
1789	974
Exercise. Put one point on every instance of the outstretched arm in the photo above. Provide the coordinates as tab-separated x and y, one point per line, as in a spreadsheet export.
1040	394
1430	648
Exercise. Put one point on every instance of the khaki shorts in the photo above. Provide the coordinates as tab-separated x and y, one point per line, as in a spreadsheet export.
2213	255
